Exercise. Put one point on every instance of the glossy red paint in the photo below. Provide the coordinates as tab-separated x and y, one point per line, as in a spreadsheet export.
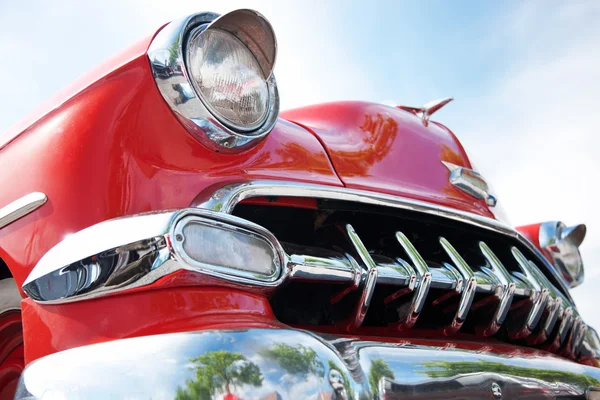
384	149
532	233
11	353
52	328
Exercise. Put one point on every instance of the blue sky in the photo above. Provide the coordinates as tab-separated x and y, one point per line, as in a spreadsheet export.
525	76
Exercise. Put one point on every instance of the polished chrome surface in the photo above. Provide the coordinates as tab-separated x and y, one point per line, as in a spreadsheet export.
294	364
21	207
539	296
371	278
505	290
468	292
525	289
10	298
470	182
224	199
168	61
562	242
125	253
428	109
424	276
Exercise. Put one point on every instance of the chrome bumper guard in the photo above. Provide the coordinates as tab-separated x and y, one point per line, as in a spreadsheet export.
294	364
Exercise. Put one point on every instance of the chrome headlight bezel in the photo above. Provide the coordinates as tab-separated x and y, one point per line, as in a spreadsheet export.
168	60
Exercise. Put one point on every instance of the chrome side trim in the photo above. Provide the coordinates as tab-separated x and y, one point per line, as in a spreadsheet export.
225	198
21	207
165	365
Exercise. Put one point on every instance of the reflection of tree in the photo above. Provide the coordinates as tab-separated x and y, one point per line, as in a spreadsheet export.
293	155
295	360
380	133
379	369
448	369
450	155
217	371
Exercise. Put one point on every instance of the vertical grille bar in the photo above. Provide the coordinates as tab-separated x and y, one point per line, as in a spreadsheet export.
539	297
469	289
563	330
554	309
418	300
369	287
507	290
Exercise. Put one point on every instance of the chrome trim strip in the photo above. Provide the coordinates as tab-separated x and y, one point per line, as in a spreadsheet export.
371	278
225	198
165	365
468	292
21	207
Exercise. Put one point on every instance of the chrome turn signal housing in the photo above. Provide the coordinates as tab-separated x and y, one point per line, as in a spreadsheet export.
216	74
129	252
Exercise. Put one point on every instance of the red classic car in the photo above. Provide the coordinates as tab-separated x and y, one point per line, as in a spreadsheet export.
166	232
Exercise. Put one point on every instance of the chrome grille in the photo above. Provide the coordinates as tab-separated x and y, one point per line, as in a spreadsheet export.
524	302
358	274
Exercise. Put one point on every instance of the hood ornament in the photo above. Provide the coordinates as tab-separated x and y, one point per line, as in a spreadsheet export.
470	182
428	109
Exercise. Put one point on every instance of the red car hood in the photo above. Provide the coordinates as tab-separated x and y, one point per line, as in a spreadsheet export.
385	149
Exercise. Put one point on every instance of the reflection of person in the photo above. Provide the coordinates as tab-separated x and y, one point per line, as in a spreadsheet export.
185	92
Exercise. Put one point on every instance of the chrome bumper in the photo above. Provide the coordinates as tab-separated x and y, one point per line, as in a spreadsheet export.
294	364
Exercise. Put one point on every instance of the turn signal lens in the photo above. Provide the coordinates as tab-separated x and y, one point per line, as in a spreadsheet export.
226	249
228	77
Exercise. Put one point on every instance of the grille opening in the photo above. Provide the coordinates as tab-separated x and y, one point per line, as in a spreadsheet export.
309	303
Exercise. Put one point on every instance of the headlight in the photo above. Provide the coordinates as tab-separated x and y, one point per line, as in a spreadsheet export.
228	78
216	73
562	243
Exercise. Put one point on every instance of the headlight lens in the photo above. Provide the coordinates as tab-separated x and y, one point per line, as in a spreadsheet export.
228	78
